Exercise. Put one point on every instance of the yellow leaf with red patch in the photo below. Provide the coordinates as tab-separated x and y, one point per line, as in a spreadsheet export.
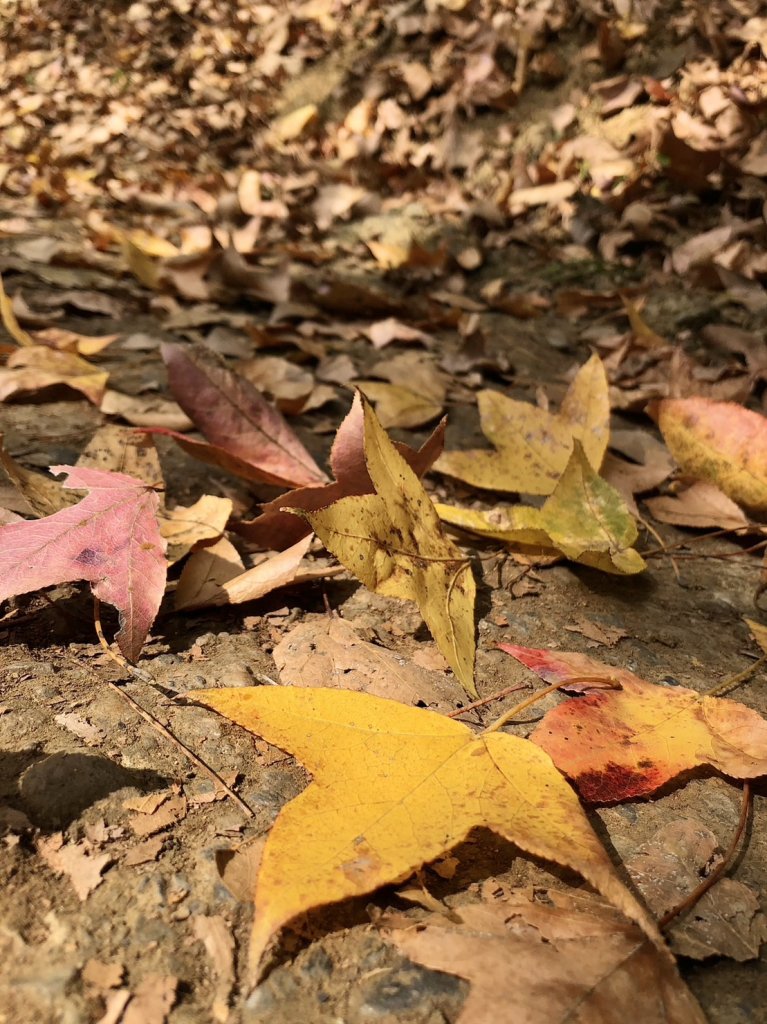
393	788
616	744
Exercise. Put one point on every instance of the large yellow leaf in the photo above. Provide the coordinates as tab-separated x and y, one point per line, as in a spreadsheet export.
394	787
533	445
585	519
392	541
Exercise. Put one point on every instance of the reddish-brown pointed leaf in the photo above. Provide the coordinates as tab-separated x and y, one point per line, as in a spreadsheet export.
246	435
110	538
621	743
276	529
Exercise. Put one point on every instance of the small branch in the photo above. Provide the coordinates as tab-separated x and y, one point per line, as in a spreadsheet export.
150	718
718	871
189	754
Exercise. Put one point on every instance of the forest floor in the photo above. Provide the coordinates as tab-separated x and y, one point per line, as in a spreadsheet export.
390	198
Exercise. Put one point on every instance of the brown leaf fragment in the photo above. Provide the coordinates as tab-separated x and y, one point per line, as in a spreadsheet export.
726	920
121	450
38	370
330	652
701	505
238	869
145	410
172	810
144	853
101	976
76	861
573	958
216	935
152	1001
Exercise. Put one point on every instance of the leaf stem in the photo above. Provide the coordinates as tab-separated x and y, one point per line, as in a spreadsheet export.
732	681
487	700
612	683
692	898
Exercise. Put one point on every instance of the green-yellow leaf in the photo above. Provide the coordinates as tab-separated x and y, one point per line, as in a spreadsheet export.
393	542
585	519
393	788
532	445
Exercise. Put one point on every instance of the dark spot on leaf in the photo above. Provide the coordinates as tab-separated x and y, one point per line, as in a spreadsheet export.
88	557
617	782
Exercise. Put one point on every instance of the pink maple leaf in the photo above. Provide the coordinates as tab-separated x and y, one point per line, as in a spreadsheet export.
110	538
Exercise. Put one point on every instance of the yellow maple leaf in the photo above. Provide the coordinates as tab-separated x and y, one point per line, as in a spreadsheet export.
585	519
394	787
533	445
393	542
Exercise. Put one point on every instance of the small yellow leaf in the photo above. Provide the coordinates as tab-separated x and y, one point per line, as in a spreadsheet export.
533	445
392	541
292	125
394	787
585	519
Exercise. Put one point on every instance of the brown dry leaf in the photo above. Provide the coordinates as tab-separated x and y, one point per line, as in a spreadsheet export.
522	199
334	201
77	861
152	1001
145	410
607	636
701	505
144	853
184	528
384	332
71	341
533	446
209	577
216	935
572	958
37	368
238	869
726	920
120	450
42	494
330	652
289	386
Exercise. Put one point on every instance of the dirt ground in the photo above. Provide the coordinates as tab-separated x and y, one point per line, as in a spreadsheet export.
141	912
75	759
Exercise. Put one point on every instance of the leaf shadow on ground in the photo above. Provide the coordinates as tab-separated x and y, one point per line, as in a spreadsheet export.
53	790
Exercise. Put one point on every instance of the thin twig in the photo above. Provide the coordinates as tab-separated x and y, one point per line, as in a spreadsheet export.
692	898
189	754
154	722
732	681
487	700
665	548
